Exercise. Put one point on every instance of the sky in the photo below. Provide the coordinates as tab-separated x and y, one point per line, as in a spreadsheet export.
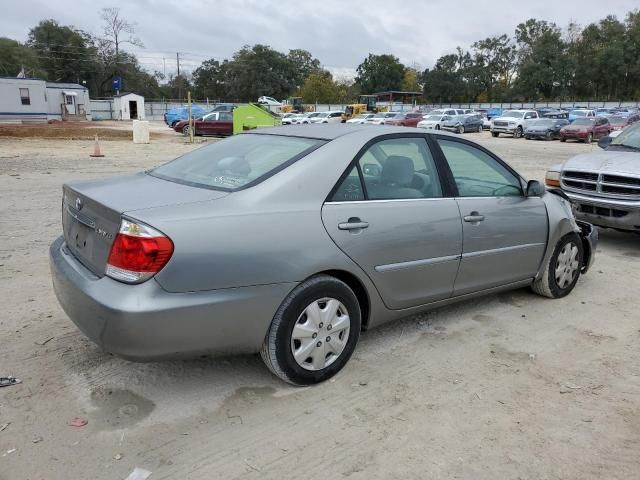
340	33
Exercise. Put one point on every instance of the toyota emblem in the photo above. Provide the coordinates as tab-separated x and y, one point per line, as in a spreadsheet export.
78	204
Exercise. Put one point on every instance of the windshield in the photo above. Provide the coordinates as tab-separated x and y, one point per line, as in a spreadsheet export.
583	122
578	113
362	116
235	162
322	115
617	120
434	118
512	114
457	118
312	115
542	123
630	137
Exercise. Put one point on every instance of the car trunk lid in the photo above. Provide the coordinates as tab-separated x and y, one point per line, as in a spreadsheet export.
92	211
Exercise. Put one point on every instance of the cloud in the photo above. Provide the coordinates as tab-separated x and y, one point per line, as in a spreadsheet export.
340	33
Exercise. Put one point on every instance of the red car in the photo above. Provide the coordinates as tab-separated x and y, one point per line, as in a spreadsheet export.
408	119
586	129
214	123
620	122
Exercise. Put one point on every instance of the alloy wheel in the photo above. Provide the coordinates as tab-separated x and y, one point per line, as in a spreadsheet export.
320	334
567	265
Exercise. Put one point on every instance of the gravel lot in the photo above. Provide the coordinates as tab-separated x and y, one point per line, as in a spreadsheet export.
511	386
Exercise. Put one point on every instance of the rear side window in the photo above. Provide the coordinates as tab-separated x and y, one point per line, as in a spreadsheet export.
399	168
477	174
237	161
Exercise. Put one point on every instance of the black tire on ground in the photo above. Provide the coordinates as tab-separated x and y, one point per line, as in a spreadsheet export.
276	349
437	126
461	129
527	137
546	285
549	136
517	133
563	139
589	138
479	128
185	130
495	134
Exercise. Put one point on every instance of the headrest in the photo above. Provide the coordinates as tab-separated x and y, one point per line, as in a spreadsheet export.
397	171
235	166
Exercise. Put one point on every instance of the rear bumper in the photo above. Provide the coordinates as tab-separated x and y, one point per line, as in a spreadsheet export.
144	322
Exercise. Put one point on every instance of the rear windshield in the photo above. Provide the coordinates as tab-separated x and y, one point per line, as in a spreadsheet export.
236	162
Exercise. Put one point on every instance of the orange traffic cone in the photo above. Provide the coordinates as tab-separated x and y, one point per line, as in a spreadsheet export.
96	149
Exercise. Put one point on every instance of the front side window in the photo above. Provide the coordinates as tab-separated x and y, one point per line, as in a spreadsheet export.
398	168
235	162
476	173
24	96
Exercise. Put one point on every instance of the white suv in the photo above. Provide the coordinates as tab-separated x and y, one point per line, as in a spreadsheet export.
512	122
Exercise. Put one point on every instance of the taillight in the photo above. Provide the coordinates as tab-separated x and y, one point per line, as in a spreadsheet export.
138	253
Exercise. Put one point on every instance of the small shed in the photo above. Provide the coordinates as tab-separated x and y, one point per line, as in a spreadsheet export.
128	106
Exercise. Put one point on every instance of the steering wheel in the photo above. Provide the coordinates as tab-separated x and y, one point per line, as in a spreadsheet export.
501	191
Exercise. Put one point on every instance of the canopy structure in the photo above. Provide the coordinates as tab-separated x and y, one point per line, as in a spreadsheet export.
72	94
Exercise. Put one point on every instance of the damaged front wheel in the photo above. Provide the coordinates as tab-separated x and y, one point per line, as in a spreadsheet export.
562	270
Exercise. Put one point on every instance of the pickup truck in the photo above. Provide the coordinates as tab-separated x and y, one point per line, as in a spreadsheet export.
604	186
512	122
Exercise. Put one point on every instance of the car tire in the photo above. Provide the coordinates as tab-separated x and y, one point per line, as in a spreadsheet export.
517	133
437	127
549	136
185	130
281	342
495	134
562	271
563	139
460	129
479	128
588	139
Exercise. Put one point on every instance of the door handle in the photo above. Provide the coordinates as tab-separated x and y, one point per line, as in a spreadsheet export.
353	223
473	217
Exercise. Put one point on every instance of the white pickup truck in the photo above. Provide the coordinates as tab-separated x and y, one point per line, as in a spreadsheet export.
512	122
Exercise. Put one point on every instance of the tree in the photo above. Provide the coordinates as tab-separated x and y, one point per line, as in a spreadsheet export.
494	59
410	80
321	88
378	73
65	53
117	30
14	56
302	64
209	79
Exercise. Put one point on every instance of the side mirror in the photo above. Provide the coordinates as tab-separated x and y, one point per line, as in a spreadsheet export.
604	142
535	188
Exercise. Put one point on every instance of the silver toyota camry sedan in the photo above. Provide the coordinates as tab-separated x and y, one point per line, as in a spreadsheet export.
291	241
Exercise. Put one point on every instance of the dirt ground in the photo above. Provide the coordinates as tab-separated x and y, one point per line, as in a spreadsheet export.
511	386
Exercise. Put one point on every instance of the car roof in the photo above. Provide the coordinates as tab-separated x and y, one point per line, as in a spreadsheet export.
332	131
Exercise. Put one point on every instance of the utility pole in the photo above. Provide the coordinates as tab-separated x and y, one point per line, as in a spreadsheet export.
178	78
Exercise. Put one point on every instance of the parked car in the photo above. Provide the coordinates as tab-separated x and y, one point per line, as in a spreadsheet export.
270	101
486	122
618	122
405	119
463	124
272	241
512	122
379	118
361	118
433	122
444	111
214	123
603	112
586	129
334	116
604	186
581	113
544	128
175	115
304	118
557	114
287	118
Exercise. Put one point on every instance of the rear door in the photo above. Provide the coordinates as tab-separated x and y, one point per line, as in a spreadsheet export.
391	215
504	232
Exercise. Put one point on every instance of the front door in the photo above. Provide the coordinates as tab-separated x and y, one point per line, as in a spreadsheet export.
504	232
390	216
